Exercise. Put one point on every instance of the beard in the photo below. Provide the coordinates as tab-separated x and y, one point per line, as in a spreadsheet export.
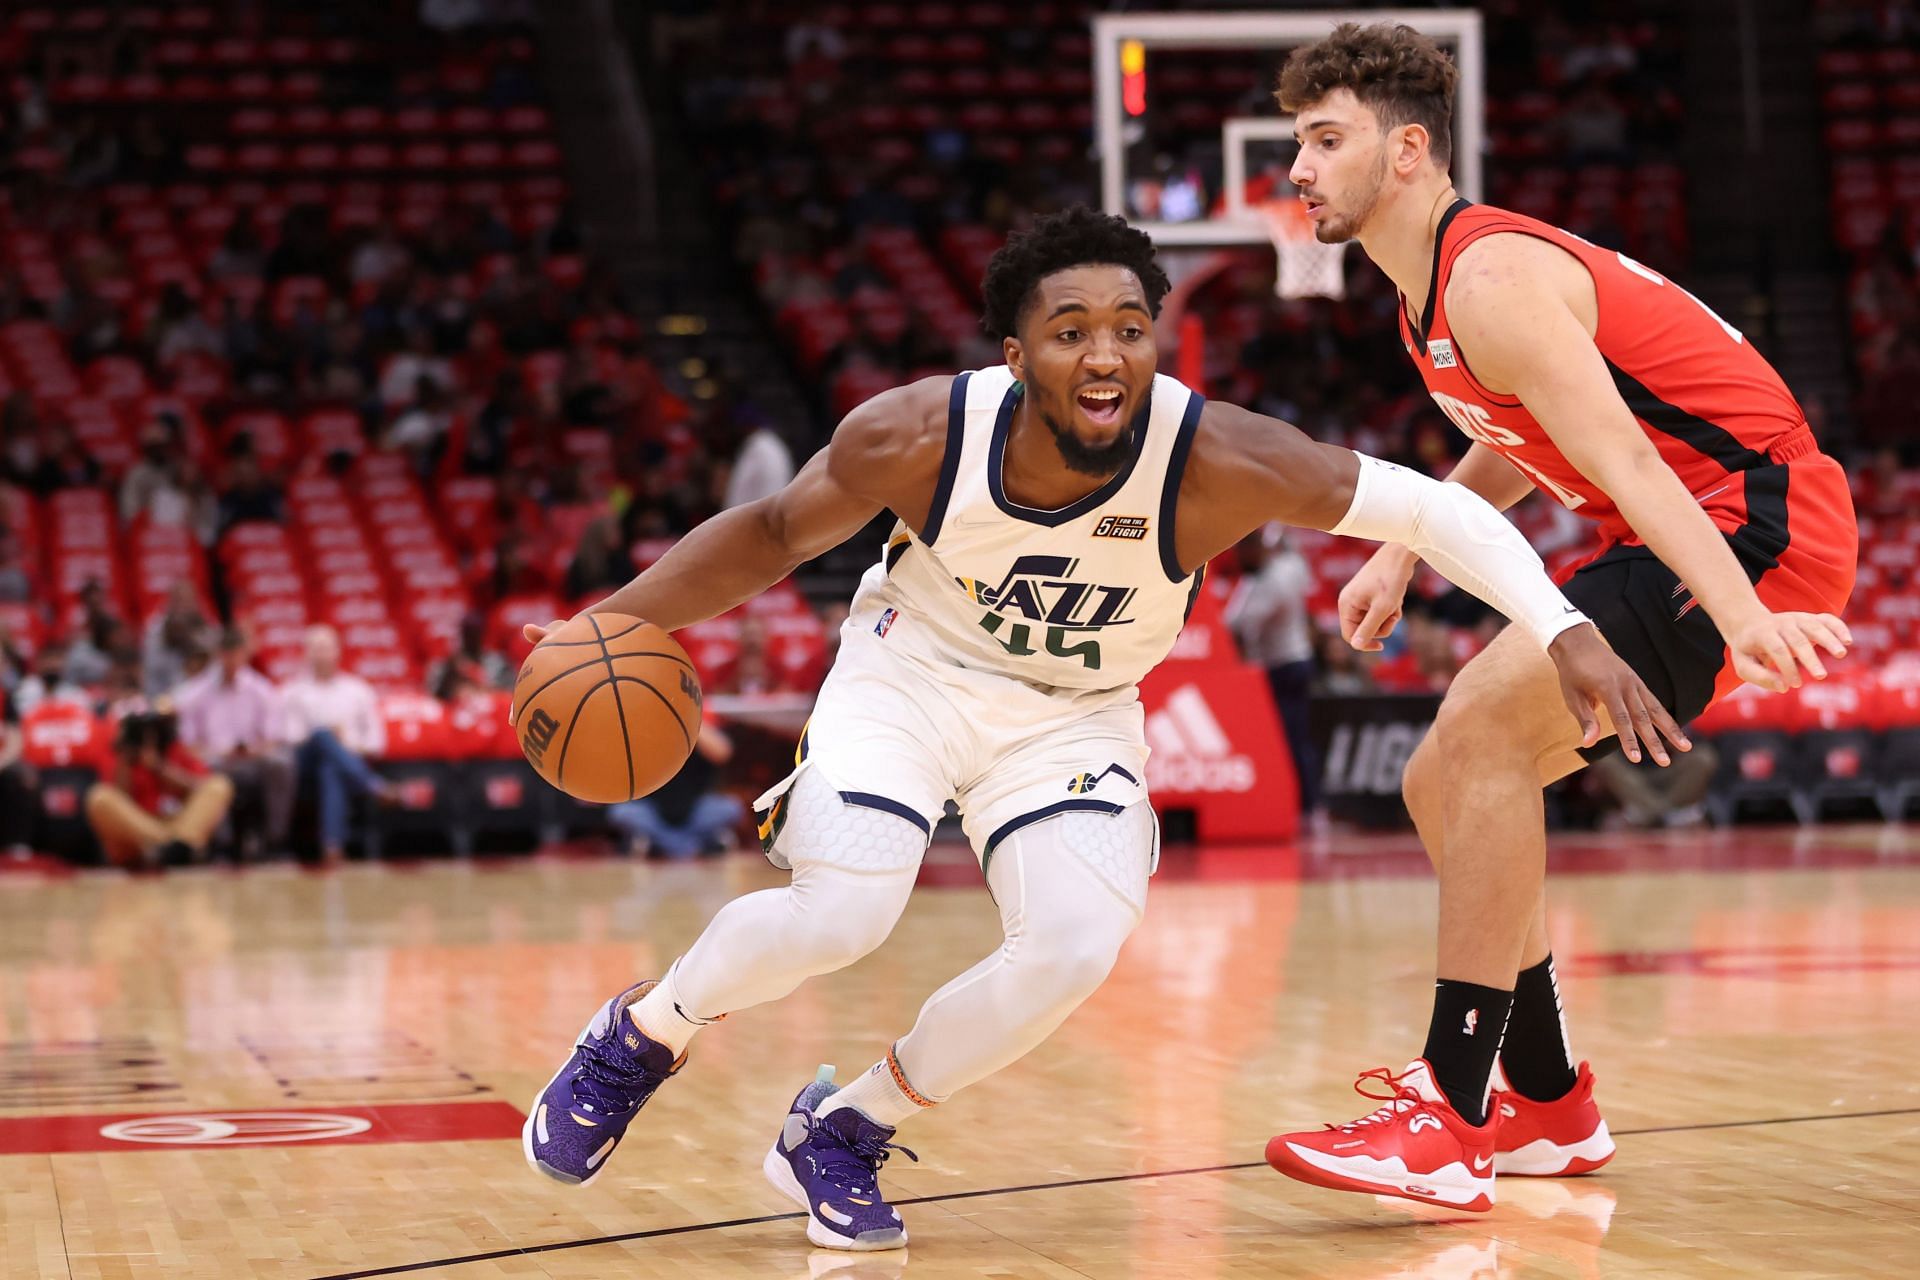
1101	460
1341	230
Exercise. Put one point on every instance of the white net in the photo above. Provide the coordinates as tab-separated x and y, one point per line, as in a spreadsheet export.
1305	267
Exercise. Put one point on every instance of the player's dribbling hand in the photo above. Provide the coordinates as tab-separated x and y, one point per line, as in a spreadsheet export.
1592	676
1771	649
1371	601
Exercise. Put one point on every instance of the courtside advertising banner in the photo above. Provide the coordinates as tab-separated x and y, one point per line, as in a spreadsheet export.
1217	749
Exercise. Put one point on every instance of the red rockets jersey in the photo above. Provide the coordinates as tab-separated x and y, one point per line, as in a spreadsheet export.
1706	399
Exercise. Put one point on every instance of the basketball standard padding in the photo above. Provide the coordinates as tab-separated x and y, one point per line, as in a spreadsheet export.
607	707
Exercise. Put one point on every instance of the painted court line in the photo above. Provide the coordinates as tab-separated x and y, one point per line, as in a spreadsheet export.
658	1232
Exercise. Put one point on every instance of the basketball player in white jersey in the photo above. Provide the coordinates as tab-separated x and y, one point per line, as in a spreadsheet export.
1054	517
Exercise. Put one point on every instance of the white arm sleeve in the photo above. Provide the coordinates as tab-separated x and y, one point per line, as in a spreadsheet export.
1459	533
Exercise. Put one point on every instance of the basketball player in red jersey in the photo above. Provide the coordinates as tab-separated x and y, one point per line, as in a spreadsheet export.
1728	544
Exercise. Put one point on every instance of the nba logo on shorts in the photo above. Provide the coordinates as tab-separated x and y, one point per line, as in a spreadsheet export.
1441	349
885	624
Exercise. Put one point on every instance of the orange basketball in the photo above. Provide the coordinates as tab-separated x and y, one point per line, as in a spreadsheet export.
607	707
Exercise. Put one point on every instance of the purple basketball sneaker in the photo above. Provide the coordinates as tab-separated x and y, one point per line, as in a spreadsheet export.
581	1115
830	1166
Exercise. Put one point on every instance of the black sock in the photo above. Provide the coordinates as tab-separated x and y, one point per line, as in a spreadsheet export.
1534	1054
1463	1040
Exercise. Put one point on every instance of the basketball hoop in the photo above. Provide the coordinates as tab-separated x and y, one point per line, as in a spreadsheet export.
1305	268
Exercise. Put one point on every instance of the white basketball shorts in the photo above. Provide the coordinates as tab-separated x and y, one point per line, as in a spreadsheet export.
898	732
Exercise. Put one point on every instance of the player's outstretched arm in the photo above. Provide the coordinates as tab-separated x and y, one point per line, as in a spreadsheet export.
1525	338
884	454
1247	470
1370	603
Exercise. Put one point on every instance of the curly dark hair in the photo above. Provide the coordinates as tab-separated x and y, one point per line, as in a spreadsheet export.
1402	75
1074	237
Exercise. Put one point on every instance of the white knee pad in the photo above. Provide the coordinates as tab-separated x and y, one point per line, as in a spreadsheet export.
1118	849
809	822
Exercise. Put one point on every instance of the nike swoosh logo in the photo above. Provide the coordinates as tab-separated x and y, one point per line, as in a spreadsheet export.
1481	1164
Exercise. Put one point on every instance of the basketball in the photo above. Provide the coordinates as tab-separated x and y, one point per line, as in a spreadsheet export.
607	707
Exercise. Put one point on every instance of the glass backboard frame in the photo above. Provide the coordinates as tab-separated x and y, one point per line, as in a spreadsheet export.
1459	28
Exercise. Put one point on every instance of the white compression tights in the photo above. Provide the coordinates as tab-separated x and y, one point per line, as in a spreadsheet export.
1070	890
853	870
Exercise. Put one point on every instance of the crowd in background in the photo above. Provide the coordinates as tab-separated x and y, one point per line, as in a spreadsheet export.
474	337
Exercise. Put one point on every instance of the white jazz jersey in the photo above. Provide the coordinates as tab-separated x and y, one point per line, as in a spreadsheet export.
1088	597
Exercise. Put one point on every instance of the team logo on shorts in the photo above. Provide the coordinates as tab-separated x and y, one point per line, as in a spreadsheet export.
1082	783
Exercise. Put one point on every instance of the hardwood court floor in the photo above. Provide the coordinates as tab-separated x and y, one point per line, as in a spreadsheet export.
1751	1003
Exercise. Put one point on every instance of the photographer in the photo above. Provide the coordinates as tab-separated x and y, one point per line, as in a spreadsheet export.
156	803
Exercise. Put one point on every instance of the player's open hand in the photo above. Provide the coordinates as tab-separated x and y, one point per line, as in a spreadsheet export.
1593	678
1771	650
1371	602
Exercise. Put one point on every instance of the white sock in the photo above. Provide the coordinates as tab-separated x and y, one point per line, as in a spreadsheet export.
882	1094
662	1016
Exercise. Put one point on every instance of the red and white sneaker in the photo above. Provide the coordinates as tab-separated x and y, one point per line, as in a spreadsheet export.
1416	1146
1557	1139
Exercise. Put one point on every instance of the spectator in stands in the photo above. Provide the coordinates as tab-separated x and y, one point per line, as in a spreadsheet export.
179	328
47	681
492	428
420	430
20	431
241	254
1343	669
154	471
62	463
101	635
1880	490
230	716
249	494
155	803
14	662
304	247
19	803
601	563
688	816
515	569
379	258
483	667
585	400
753	673
170	634
400	380
120	692
763	466
1650	796
165	487
332	721
1268	615
16	581
1887	400
1431	647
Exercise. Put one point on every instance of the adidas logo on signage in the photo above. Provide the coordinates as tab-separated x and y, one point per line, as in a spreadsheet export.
1191	752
